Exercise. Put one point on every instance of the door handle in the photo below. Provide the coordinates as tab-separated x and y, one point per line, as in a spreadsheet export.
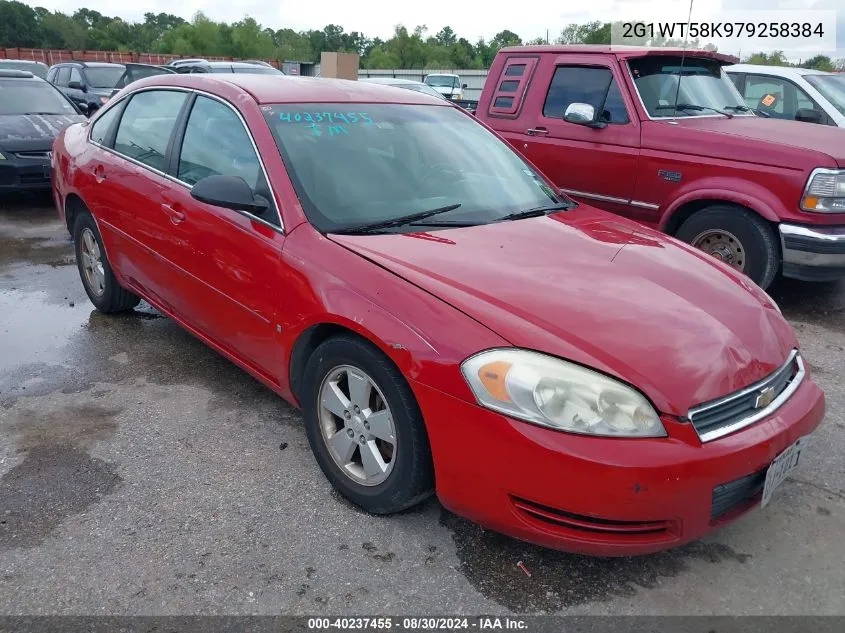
534	131
177	217
99	174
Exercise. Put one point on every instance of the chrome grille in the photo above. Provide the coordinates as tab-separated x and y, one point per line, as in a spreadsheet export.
736	411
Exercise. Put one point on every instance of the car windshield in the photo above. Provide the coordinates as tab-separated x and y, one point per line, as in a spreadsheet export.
832	88
358	164
420	88
103	76
703	83
441	81
36	69
21	96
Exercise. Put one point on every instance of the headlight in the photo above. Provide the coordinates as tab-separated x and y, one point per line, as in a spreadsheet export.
825	191
560	395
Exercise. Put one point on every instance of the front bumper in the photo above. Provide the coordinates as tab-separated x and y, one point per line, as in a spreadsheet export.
813	253
603	496
22	174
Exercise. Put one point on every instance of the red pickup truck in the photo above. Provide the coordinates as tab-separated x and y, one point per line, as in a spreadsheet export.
664	137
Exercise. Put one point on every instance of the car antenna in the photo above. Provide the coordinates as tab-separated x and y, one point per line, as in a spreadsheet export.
681	69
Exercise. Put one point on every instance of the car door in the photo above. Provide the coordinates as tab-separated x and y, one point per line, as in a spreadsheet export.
597	164
60	80
232	258
778	97
77	94
129	186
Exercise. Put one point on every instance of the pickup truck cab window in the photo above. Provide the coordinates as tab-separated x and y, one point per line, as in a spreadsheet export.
703	85
147	124
583	84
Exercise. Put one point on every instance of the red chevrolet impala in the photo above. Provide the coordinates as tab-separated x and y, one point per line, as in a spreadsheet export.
447	320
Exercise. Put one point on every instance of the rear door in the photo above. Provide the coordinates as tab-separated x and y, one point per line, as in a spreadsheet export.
595	164
232	258
131	185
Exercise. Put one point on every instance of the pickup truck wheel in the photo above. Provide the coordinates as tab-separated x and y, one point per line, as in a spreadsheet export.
99	281
365	427
737	237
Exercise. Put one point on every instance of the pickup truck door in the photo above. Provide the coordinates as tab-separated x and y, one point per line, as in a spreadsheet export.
597	165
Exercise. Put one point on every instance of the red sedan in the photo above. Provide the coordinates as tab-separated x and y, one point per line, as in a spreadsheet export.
446	319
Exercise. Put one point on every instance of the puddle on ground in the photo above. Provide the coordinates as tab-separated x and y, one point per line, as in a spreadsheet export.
34	251
50	484
559	580
80	425
35	330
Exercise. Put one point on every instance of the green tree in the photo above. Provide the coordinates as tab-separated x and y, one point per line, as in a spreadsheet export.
776	58
505	38
446	36
18	25
819	62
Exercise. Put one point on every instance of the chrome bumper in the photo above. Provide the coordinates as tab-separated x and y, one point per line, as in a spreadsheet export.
813	253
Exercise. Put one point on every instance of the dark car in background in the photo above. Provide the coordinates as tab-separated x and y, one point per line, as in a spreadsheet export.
88	83
32	113
38	69
250	67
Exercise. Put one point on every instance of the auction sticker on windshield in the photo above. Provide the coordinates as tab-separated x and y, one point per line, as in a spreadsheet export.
780	469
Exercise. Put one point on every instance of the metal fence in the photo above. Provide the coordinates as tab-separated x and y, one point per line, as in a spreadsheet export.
474	79
55	56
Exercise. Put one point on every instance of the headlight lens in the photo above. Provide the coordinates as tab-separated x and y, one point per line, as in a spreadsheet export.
825	191
558	394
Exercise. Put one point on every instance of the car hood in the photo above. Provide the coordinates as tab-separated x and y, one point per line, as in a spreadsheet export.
33	132
603	292
774	142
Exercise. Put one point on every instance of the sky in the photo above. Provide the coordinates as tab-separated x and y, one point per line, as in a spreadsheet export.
378	17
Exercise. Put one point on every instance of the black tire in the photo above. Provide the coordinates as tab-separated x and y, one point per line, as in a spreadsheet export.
114	298
411	479
758	245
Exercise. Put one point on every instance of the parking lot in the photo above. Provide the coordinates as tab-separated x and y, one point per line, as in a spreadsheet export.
141	473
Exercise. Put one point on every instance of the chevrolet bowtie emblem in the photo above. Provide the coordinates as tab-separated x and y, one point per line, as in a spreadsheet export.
764	398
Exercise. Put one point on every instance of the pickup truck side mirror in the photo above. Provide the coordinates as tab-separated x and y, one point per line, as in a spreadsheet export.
808	115
464	86
582	114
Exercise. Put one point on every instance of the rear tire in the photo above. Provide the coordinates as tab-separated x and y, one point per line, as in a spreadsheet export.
738	237
340	429
99	281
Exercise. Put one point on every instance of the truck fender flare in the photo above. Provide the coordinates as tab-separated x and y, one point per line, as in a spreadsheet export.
756	199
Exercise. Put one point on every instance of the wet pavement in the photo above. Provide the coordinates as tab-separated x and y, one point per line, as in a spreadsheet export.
141	473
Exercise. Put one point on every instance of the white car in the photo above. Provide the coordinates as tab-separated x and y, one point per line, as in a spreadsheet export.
448	85
783	92
407	84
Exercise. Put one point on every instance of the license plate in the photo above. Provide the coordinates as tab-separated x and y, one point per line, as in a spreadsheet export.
779	469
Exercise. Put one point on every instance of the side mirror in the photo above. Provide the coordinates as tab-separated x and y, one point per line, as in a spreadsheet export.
75	85
582	114
83	107
808	115
464	86
229	192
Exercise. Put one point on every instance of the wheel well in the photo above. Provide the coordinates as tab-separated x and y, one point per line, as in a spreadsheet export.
73	207
686	211
305	345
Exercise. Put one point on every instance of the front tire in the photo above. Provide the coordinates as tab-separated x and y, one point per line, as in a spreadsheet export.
737	237
99	281
365	428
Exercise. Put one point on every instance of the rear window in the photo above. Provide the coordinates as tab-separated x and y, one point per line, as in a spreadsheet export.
36	69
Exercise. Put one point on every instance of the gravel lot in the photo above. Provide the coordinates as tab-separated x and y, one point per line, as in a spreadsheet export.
141	473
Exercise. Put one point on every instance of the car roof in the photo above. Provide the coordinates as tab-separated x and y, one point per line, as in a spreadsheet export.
84	64
778	71
289	89
21	61
18	74
622	52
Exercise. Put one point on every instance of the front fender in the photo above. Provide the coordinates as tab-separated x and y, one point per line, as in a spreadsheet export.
726	189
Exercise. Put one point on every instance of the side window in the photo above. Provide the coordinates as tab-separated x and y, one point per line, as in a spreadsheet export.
51	75
736	79
147	124
510	89
63	76
100	129
75	75
582	84
217	144
766	94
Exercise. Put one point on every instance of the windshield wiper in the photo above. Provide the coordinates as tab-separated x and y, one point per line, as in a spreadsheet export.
535	212
400	221
694	108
